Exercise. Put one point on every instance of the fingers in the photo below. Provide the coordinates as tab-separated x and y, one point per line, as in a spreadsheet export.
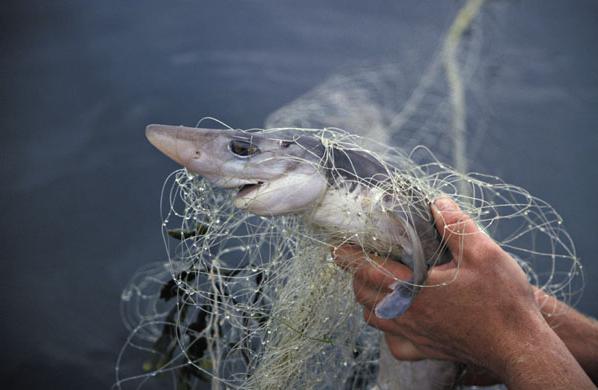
381	275
370	318
458	230
403	349
373	275
368	294
374	270
348	257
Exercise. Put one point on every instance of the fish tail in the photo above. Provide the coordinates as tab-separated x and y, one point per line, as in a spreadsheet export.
398	301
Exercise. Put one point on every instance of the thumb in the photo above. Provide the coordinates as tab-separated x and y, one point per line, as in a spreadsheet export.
458	230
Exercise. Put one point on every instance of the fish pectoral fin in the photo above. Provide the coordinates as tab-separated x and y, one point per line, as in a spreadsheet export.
397	302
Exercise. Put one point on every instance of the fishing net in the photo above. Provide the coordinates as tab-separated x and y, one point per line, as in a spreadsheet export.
436	98
254	302
246	301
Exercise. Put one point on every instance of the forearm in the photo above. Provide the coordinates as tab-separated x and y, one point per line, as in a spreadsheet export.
536	358
578	332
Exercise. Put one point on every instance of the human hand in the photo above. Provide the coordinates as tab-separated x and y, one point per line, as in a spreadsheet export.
481	277
481	309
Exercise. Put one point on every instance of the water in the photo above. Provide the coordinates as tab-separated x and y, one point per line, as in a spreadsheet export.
81	185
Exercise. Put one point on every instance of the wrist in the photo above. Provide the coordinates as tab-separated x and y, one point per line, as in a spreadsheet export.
516	342
534	357
578	332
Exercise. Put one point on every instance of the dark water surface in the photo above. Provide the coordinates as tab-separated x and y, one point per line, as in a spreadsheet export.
81	186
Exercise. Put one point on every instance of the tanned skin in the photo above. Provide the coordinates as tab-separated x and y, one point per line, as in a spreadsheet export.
487	315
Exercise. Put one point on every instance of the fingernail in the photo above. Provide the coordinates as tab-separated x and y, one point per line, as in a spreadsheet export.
445	204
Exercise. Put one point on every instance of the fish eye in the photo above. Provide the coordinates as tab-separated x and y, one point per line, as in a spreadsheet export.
242	148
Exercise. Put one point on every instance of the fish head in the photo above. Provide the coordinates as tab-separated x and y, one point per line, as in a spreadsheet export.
273	174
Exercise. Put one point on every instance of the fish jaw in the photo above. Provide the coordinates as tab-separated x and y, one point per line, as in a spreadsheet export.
289	194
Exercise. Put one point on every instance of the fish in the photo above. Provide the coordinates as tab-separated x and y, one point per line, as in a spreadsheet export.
347	193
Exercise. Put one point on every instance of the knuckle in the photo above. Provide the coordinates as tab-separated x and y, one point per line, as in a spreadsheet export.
423	341
453	217
489	249
360	295
396	351
365	295
347	257
369	316
361	272
382	276
404	350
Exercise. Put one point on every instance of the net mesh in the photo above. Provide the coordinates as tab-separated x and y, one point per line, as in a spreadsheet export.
252	302
255	302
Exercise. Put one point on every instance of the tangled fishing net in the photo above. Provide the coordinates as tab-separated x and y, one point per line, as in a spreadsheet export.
255	302
252	302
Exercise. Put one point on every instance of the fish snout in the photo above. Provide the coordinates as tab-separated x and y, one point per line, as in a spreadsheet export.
171	141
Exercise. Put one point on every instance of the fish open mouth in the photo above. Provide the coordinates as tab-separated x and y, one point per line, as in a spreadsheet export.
248	188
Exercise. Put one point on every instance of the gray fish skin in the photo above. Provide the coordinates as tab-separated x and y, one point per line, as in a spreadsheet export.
344	193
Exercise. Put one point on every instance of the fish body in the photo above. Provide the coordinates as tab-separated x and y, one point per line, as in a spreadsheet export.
347	194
